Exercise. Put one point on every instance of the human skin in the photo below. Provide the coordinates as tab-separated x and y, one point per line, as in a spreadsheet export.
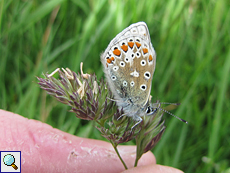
46	149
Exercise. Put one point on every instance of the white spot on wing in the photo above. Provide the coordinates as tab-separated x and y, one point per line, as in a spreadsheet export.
135	74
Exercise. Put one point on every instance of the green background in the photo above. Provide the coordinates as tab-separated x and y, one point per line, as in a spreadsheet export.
192	41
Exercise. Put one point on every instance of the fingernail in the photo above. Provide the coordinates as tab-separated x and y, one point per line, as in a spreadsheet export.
126	149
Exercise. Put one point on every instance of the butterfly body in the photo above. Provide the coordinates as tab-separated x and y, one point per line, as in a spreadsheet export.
129	64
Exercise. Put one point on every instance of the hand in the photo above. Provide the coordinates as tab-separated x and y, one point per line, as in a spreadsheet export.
46	149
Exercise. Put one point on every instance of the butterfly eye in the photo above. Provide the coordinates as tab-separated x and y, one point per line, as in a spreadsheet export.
148	110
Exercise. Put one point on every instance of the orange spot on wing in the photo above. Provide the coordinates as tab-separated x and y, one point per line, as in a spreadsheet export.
109	61
138	44
145	50
124	47
131	44
150	57
112	58
117	52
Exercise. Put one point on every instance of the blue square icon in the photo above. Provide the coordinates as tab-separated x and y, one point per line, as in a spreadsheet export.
10	161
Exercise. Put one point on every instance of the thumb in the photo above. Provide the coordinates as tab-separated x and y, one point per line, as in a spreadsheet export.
46	149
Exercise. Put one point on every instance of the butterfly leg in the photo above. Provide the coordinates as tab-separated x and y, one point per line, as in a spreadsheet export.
121	116
139	120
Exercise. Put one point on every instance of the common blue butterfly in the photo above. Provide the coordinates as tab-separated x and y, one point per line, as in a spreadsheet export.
129	64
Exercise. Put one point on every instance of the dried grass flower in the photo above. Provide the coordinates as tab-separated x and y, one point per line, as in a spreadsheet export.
91	99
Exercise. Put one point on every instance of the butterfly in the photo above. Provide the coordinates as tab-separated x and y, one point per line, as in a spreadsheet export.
129	64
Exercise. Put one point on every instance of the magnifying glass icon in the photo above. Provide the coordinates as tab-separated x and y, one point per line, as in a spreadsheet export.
9	160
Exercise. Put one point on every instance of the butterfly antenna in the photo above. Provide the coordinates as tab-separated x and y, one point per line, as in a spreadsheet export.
167	103
173	115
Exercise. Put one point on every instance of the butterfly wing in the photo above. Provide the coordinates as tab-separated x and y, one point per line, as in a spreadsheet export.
129	63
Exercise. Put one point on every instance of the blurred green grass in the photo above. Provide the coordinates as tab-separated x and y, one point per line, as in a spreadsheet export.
192	41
